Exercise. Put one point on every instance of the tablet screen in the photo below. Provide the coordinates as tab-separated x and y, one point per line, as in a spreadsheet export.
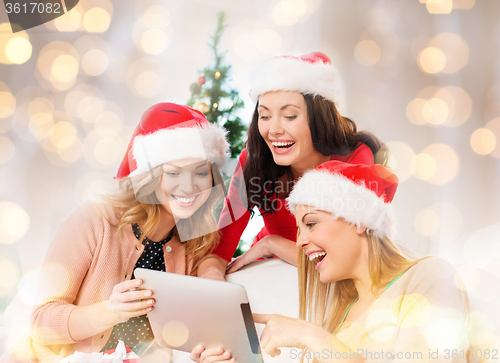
190	311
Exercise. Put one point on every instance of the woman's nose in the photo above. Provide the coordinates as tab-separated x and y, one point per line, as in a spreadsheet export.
187	184
276	127
302	242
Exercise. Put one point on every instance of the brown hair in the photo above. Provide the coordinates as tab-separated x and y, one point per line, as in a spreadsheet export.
331	133
137	203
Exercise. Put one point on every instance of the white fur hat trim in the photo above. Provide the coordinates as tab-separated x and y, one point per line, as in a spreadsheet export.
340	196
285	74
167	145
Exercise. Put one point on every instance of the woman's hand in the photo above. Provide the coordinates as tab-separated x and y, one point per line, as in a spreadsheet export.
259	250
201	355
281	331
128	301
268	246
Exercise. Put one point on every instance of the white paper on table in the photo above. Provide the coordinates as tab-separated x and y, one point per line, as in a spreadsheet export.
116	357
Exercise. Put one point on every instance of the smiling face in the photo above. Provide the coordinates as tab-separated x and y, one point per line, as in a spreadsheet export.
186	184
284	126
333	244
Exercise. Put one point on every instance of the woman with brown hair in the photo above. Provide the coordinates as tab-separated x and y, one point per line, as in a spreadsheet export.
161	219
295	127
361	298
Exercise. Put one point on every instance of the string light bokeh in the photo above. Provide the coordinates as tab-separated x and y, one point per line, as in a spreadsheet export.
421	75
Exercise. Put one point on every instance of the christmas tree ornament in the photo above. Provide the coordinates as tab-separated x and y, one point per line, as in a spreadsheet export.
202	80
195	88
201	106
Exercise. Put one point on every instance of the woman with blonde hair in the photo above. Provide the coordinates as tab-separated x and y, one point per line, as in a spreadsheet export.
161	219
361	298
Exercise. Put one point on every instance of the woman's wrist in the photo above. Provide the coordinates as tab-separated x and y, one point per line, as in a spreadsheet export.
317	339
274	243
87	321
282	247
213	273
111	317
266	245
212	267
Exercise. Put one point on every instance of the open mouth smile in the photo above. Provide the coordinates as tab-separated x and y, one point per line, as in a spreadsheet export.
185	201
282	147
317	257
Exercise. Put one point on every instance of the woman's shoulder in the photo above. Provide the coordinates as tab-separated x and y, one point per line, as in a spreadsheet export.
439	283
93	212
433	272
433	265
361	155
87	225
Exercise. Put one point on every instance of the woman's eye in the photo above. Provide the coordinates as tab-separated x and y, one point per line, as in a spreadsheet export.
310	224
265	118
171	173
290	118
204	173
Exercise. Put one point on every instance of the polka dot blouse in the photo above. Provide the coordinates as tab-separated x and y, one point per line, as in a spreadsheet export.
136	332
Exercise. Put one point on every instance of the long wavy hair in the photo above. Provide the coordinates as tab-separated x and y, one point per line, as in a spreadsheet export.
325	304
331	133
137	203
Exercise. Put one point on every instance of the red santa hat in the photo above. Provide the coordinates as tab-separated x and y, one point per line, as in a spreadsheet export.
311	73
168	132
359	194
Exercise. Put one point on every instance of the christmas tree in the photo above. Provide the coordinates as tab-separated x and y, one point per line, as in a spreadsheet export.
213	96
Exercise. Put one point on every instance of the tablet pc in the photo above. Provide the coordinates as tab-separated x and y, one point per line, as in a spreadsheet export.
190	311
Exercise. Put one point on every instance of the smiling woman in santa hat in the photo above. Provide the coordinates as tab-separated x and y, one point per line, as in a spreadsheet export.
295	127
361	298
161	219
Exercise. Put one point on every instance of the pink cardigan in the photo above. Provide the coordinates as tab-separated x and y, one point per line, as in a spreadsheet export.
86	259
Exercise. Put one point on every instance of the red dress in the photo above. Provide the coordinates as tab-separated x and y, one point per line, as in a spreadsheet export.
235	215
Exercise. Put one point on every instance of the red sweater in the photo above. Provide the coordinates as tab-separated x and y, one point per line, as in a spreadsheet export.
235	216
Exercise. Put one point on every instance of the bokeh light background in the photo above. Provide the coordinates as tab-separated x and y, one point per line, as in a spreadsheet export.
424	76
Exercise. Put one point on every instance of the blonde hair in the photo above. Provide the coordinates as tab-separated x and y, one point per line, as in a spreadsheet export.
137	203
325	304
